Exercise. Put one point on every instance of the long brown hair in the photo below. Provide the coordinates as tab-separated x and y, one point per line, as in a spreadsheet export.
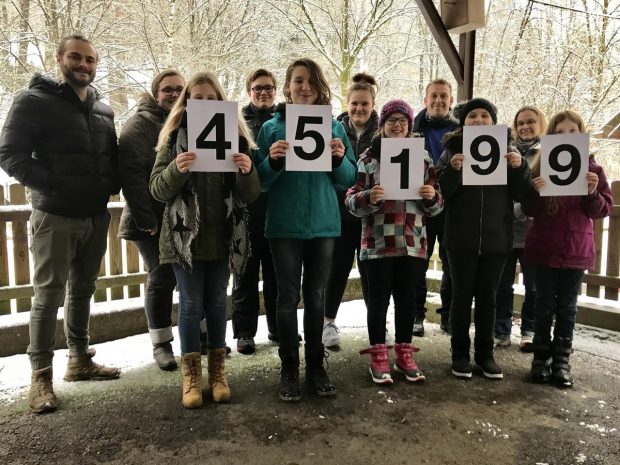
317	80
176	114
551	203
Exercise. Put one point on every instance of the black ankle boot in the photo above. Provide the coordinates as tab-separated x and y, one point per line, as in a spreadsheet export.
316	376
560	369
541	364
290	391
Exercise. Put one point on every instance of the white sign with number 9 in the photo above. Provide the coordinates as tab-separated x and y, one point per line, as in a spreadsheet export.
564	164
484	148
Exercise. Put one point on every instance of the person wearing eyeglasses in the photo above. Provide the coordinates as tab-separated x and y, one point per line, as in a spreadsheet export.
142	215
261	88
393	247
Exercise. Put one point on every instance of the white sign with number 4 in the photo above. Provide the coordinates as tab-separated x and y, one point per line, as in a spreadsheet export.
402	168
484	148
308	133
213	133
564	164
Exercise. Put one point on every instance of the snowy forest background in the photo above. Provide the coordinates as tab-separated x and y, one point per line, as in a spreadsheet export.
530	52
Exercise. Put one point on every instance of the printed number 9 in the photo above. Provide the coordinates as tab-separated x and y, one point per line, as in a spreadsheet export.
301	134
493	155
573	166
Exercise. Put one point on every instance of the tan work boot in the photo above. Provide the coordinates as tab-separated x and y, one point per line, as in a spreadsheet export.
41	397
191	368
81	368
217	378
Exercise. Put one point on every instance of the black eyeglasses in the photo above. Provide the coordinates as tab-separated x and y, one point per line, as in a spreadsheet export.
266	89
393	121
171	90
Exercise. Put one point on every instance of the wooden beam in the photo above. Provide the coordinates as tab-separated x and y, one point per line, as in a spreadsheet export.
467	52
443	39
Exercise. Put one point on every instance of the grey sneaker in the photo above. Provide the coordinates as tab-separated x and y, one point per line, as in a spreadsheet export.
246	345
502	341
164	357
331	334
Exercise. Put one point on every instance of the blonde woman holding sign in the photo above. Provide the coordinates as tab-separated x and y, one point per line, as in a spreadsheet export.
393	246
560	245
204	214
302	222
478	238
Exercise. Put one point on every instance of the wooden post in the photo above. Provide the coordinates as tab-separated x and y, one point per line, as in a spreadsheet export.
5	306
613	243
115	251
594	290
21	256
133	266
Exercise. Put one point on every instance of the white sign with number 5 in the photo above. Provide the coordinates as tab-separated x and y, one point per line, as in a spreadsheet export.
402	168
564	164
484	148
308	133
213	133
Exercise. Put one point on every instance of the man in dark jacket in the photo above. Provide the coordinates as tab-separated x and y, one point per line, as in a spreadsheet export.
142	215
261	88
432	123
59	140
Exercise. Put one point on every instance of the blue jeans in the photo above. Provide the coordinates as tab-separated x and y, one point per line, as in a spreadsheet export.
290	256
505	297
557	294
202	291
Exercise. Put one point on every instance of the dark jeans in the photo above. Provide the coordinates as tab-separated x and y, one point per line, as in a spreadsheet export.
202	291
557	292
505	297
392	276
67	254
160	284
245	295
473	276
290	256
346	248
434	233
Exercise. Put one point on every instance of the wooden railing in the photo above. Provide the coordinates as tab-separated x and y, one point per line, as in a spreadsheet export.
120	275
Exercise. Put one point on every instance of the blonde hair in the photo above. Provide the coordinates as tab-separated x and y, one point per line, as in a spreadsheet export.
176	113
551	203
542	118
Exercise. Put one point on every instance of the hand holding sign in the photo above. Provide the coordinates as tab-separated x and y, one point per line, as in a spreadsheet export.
483	148
184	161
212	134
308	128
564	164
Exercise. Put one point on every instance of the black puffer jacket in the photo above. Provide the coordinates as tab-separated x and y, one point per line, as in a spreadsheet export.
65	150
478	218
136	159
359	146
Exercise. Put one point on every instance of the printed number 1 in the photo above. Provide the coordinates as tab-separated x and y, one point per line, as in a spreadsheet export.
301	134
220	144
403	159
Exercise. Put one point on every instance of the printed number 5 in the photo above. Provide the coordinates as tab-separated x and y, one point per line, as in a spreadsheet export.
301	134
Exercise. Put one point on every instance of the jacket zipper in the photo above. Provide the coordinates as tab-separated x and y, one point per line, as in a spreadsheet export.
481	210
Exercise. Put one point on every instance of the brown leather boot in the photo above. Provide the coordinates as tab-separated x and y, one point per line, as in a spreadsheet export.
217	378
191	367
81	368
41	397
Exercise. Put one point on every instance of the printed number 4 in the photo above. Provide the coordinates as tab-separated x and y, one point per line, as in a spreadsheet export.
220	144
301	134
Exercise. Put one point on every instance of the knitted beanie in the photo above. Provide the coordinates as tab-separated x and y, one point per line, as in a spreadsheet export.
477	103
396	106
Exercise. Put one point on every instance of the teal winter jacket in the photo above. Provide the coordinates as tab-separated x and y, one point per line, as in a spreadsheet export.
302	204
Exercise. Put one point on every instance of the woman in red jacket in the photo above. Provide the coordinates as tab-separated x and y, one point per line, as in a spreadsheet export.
560	245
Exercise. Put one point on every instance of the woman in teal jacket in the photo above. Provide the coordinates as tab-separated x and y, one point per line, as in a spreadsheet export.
303	220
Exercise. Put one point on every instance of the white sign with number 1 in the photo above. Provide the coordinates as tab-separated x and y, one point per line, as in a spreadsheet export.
308	133
564	164
213	133
402	168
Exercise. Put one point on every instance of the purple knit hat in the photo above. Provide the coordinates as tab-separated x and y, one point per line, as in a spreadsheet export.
396	106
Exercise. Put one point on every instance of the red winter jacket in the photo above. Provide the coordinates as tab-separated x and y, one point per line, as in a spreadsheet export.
565	240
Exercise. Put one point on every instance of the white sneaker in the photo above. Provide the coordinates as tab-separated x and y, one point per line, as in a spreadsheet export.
389	340
526	343
331	334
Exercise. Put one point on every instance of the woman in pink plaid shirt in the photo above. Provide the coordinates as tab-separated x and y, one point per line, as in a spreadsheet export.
393	247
